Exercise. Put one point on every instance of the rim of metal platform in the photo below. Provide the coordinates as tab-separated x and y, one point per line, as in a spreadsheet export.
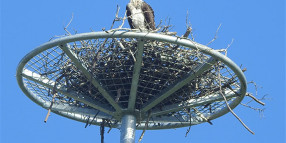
116	112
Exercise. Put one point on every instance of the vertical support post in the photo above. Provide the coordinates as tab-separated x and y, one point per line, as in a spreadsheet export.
128	128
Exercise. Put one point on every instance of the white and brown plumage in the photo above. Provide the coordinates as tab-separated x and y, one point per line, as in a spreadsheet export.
140	15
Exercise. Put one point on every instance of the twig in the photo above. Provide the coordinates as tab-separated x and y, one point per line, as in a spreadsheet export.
109	125
116	17
187	33
54	96
87	121
94	117
123	20
255	99
109	130
119	44
188	130
215	37
187	19
146	126
256	94
132	54
190	116
189	25
256	109
229	106
228	46
159	25
225	50
202	116
255	86
68	25
118	95
49	110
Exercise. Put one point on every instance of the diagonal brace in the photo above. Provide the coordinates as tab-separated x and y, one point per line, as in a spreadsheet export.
136	73
178	84
88	75
194	103
72	94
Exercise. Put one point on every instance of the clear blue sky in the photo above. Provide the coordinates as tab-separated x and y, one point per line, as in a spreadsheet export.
257	27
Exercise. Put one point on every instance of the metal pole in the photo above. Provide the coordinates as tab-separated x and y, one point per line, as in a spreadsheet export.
128	128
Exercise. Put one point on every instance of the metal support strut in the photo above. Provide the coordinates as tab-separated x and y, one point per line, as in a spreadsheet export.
128	128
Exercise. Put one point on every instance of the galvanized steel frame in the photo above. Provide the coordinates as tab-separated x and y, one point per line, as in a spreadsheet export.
119	113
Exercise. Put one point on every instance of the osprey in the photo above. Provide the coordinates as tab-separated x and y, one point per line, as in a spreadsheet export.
140	15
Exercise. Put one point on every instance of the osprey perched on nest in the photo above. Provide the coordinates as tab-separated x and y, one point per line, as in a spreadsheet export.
140	15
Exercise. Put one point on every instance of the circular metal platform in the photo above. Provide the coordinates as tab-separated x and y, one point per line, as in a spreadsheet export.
166	81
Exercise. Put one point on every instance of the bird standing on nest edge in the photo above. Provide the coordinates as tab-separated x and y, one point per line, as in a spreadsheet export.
140	15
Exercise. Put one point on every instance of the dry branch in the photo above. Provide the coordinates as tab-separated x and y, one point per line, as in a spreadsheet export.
118	95
69	25
215	36
255	109
226	102
187	33
255	99
54	96
49	110
189	26
146	126
201	115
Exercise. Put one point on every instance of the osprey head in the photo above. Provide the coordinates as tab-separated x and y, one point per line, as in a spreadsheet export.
136	3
